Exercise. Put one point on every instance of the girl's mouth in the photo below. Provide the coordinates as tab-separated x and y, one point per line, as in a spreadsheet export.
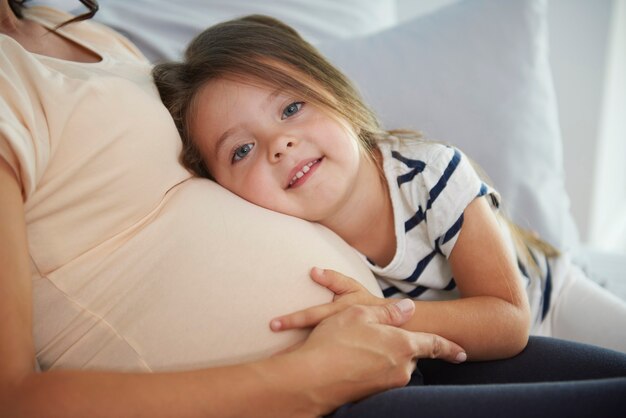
303	173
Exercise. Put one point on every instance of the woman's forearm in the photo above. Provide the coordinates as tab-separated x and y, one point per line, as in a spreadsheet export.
348	356
253	389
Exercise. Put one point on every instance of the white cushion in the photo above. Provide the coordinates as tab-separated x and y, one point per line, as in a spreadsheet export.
162	28
475	74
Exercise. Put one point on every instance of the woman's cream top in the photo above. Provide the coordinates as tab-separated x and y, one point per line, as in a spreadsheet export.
136	265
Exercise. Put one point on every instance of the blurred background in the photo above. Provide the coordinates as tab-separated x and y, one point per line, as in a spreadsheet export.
588	59
587	42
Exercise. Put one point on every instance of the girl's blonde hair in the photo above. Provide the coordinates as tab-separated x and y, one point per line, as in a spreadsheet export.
258	48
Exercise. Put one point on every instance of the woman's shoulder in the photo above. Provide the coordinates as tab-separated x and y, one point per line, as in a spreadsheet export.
93	35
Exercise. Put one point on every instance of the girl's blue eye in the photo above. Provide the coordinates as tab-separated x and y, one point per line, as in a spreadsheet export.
292	109
242	152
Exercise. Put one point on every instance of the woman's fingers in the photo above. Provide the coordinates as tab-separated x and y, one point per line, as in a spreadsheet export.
434	346
335	281
310	317
394	313
370	352
420	344
305	318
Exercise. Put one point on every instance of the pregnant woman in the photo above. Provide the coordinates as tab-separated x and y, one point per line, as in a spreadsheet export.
142	290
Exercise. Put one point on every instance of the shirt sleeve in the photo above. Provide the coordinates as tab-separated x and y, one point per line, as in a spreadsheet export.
452	184
23	140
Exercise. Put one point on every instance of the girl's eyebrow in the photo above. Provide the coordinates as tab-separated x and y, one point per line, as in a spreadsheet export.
220	141
274	94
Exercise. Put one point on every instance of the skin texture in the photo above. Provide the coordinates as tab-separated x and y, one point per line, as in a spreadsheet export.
255	140
372	352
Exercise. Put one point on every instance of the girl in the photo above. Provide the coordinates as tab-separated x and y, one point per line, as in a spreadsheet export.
262	113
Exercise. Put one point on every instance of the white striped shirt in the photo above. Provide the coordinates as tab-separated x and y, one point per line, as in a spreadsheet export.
430	185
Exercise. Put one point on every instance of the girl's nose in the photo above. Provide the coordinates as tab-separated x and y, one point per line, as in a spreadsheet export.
280	147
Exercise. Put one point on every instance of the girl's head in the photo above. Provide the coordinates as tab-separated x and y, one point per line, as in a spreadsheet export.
263	51
263	113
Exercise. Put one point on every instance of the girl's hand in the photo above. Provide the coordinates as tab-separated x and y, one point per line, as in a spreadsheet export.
347	292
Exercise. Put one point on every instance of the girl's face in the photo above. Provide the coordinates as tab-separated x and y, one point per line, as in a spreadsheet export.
275	150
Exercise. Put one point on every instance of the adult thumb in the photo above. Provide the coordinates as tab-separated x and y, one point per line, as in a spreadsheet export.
396	313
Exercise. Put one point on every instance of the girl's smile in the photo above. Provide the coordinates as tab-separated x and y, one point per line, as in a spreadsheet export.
303	173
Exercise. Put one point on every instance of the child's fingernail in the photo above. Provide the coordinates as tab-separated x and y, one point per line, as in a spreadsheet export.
461	357
275	325
405	305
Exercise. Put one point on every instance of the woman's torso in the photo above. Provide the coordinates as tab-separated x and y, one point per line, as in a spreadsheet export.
136	265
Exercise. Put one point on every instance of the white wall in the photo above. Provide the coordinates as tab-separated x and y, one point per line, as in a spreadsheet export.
582	35
608	210
587	54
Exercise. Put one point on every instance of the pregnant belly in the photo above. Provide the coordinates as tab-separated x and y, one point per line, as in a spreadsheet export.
193	286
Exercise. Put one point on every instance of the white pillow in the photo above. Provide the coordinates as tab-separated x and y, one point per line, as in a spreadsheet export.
163	28
475	74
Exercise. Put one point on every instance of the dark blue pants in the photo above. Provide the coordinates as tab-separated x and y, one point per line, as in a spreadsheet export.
550	378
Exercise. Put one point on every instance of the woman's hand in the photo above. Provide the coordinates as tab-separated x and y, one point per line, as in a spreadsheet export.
347	292
361	350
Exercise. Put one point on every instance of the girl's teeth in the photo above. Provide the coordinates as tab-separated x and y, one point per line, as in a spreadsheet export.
302	172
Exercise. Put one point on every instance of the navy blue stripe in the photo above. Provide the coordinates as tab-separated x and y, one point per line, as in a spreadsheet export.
522	268
408	161
419	269
407	177
547	291
454	229
417	292
483	190
494	201
438	248
450	285
420	215
443	181
414	220
390	291
416	165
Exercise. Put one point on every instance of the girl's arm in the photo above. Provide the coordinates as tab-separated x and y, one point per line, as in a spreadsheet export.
491	320
348	356
492	317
